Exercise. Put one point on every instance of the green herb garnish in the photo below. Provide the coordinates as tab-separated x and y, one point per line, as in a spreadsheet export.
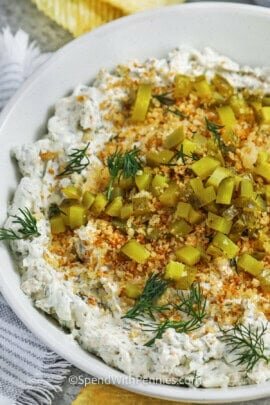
181	155
122	164
215	131
28	227
247	343
164	99
78	160
168	102
146	303
193	305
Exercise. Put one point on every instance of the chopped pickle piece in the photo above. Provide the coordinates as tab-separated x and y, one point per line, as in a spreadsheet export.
225	245
143	180
205	167
174	271
189	147
99	204
225	191
197	186
88	199
195	217
246	188
258	202
266	115
214	251
180	228
141	205
239	105
263	170
219	174
133	290
203	88
208	195
57	225
249	264
158	184
188	255
226	116
222	86
142	102
183	210
126	211
76	216
170	196
125	183
114	208
218	223
185	282
135	251
176	137
72	192
183	86
158	158
205	195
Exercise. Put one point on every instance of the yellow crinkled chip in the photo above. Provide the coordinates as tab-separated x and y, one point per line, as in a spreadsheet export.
133	6
80	16
100	394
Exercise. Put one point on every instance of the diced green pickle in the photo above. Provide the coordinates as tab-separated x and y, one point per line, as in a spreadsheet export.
188	255
225	245
246	188
266	115
218	223
180	228
133	290
225	191
114	208
158	158
143	180
176	137
142	102
174	271
185	282
88	199
76	216
158	184
183	210
205	167
126	211
99	204
135	251
222	86
249	264
170	196
263	170
57	224
183	86
217	176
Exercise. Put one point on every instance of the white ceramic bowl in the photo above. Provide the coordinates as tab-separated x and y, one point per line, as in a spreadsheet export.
241	32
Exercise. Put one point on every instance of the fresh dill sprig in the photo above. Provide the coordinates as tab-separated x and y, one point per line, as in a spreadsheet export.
78	160
168	102
164	99
247	343
146	303
122	164
28	227
215	131
193	305
181	155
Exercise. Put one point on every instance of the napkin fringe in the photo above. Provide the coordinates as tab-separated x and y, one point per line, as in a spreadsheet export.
54	371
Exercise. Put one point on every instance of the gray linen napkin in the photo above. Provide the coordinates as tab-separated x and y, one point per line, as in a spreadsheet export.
30	374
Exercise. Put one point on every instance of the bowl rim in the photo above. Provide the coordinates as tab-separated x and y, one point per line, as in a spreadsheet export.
169	392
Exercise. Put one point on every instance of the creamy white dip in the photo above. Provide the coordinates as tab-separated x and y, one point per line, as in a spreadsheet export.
100	329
